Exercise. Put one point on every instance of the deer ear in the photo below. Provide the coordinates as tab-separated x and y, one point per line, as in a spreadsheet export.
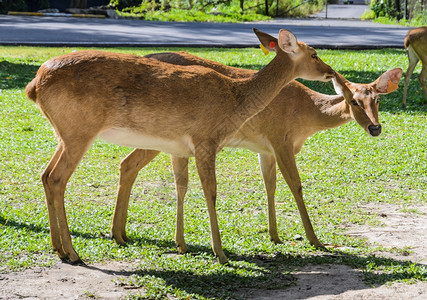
288	41
337	87
341	87
267	41
389	81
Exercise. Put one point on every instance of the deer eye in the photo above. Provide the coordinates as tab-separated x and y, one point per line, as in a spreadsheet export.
315	56
354	102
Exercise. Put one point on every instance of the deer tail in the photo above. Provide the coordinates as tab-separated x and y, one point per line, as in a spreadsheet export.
30	90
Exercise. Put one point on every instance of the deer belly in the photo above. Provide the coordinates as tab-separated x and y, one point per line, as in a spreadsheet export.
258	144
182	146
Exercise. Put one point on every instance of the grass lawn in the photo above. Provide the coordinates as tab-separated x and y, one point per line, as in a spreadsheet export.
341	170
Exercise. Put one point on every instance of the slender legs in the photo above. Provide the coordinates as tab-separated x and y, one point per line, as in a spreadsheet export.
180	171
205	162
268	169
288	167
422	78
55	178
129	168
413	60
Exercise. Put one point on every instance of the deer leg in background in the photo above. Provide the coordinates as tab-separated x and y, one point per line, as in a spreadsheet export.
422	78
129	168
413	60
180	171
268	169
286	161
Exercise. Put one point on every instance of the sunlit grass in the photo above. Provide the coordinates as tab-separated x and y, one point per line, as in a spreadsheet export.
341	170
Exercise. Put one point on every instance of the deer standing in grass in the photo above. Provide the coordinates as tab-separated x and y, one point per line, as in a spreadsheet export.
277	133
143	103
416	49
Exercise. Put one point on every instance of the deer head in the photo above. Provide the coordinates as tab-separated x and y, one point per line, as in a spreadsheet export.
303	56
363	99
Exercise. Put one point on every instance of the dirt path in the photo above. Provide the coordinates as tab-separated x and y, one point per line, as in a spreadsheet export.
318	282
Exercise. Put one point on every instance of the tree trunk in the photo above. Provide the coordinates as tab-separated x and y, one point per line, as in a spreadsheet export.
397	5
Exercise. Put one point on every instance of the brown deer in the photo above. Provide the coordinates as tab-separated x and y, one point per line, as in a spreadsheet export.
416	49
277	133
143	103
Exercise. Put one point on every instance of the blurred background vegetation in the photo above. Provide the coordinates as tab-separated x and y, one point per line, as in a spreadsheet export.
404	12
181	10
239	10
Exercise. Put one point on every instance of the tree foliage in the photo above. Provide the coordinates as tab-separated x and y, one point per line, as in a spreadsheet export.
399	9
220	7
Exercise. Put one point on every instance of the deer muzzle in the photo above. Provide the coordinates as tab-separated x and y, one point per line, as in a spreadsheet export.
374	130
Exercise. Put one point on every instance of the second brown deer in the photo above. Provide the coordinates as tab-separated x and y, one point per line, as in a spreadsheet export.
416	49
277	133
143	103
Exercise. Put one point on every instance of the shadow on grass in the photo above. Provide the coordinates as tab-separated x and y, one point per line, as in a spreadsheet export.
246	274
23	226
197	273
13	76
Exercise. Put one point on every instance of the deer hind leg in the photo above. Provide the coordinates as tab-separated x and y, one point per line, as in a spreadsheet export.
53	221
422	78
413	60
268	169
55	178
205	162
180	171
288	167
129	168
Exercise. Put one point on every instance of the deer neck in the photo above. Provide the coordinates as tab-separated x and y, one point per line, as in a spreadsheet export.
259	90
334	112
323	112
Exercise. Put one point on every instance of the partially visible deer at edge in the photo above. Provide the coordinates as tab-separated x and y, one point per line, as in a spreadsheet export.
143	103
277	133
416	49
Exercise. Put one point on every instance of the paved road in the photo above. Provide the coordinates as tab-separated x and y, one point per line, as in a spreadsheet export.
343	11
320	33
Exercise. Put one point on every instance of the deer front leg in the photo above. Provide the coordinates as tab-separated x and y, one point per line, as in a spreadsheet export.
180	171
205	162
129	168
286	161
268	169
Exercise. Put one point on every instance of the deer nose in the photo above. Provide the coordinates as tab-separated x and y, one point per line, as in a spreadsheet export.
331	74
374	130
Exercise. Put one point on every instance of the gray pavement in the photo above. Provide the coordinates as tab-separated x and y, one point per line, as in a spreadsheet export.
320	33
342	11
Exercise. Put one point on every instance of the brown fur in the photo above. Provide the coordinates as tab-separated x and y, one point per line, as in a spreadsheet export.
139	102
416	48
415	34
277	133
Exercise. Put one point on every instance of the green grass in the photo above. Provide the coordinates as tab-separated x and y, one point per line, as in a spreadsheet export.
341	169
420	20
415	21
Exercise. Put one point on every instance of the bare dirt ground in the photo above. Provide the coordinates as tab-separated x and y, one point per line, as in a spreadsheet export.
318	282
